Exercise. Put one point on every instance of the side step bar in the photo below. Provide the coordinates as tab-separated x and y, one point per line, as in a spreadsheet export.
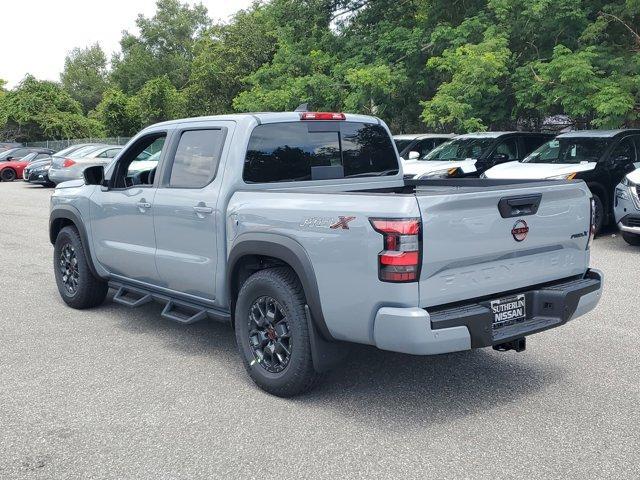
176	310
131	297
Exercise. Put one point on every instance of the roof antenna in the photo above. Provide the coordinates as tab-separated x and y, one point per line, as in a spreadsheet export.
303	107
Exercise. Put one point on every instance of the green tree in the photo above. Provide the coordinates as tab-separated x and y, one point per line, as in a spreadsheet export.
164	46
473	97
118	113
37	110
225	56
85	75
157	101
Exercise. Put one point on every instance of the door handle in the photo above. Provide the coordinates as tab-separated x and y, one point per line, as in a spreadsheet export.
202	210
143	205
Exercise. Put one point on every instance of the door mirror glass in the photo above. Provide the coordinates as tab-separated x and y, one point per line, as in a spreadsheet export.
94	175
413	155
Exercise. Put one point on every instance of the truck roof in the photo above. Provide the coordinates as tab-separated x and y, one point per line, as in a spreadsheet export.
598	133
264	117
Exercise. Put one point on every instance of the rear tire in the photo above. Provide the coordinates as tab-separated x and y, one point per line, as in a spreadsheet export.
631	239
78	286
270	317
599	213
8	175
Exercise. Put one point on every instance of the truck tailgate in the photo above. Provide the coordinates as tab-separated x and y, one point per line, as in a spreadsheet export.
470	250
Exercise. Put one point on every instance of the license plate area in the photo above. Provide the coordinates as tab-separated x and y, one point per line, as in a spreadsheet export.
508	311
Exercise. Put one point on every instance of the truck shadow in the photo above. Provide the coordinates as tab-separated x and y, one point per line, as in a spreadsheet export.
408	390
414	391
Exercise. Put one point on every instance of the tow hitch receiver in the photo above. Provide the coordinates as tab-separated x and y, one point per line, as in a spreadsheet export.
519	345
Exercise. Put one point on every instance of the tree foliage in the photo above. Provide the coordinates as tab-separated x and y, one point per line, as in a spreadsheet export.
85	75
419	64
42	109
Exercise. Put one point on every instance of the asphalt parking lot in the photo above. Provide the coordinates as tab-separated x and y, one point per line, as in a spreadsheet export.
120	393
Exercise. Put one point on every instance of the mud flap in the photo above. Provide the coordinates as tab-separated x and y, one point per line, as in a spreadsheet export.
326	355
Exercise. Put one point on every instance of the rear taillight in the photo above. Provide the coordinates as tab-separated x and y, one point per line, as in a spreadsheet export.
68	163
322	116
399	261
592	225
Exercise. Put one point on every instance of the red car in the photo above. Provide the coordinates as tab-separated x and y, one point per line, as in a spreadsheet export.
12	168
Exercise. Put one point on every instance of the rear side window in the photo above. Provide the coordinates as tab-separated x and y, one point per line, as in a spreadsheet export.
302	151
197	157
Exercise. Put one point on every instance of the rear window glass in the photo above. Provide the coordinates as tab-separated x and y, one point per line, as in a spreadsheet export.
302	151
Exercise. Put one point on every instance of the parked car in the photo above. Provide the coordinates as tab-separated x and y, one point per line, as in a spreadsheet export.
299	231
71	166
20	152
471	154
627	207
414	146
37	172
599	157
12	167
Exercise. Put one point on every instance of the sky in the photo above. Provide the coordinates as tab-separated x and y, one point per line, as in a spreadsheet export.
38	34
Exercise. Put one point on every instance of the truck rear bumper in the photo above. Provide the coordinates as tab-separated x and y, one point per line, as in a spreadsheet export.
419	331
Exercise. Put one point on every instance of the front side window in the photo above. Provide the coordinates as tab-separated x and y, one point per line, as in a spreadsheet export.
509	148
625	151
569	150
196	158
303	151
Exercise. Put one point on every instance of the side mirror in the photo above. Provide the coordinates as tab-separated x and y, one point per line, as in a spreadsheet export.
93	175
413	156
9	158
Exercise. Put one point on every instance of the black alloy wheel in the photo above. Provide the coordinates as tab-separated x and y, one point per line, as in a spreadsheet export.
269	335
68	265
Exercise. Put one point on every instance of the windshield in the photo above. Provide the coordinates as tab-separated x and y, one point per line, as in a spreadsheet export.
29	157
7	153
82	152
460	149
569	150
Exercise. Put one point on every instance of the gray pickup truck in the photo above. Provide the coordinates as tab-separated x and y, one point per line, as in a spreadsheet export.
299	231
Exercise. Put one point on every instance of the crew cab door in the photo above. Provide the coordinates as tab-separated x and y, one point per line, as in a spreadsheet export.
186	214
122	215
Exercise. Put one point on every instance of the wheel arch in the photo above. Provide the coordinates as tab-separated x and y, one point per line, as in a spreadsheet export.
2	170
66	216
254	252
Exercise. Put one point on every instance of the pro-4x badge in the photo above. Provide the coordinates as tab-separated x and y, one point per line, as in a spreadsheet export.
343	223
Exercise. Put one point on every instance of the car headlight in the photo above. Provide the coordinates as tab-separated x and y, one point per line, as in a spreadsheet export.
564	176
628	183
444	173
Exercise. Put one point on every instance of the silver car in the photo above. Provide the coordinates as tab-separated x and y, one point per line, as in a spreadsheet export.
70	167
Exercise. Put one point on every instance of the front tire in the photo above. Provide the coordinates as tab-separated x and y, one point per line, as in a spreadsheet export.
8	175
272	333
77	285
631	239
